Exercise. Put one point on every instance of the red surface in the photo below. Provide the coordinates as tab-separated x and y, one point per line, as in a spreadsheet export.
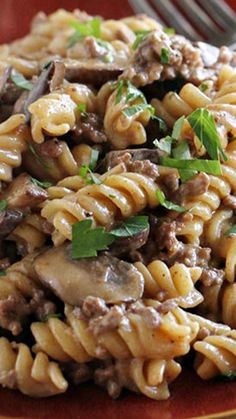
190	396
15	15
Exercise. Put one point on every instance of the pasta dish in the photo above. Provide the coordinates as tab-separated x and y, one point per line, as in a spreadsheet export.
117	206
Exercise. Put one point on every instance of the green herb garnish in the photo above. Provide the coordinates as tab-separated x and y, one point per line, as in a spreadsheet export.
87	241
20	81
208	166
203	87
168	204
182	152
3	205
164	144
44	184
132	110
131	91
86	173
90	28
51	316
164	56
131	227
140	35
203	124
176	132
108	58
230	376
37	156
82	107
3	273
169	31
231	230
93	159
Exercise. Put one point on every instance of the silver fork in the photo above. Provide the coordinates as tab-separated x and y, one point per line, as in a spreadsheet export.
211	20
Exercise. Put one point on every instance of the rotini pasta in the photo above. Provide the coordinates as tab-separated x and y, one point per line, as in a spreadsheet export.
117	261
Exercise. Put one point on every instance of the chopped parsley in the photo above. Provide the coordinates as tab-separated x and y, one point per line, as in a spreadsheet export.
169	31
3	273
93	159
44	184
37	156
51	316
203	87
87	241
20	81
140	35
3	205
203	124
131	92
90	28
164	56
132	226
168	204
208	166
164	144
86	173
178	125
231	230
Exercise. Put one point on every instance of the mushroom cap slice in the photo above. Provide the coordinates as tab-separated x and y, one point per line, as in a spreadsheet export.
103	276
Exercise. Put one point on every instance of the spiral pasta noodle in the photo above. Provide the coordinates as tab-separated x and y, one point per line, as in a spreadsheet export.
150	378
74	340
215	356
126	194
12	144
174	282
36	377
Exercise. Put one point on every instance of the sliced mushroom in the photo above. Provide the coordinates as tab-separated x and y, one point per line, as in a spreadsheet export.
115	157
23	193
72	281
129	244
91	71
9	219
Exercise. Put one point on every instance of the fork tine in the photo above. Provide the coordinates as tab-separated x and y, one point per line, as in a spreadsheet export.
220	12
200	18
142	6
174	18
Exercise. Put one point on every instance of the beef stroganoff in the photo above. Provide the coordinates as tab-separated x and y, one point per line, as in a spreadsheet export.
117	206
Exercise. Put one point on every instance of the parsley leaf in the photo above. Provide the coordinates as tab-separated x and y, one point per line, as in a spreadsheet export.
132	92
86	173
86	241
140	35
208	166
203	124
108	58
169	31
3	273
3	205
131	227
52	315
229	376
182	152
93	159
203	87
20	81
168	204
37	156
164	144
46	184
164	56
231	230
90	28
132	110
177	128
82	107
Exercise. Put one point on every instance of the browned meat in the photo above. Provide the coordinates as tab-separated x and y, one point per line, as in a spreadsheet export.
92	71
149	314
110	321
195	186
93	307
90	127
189	255
129	245
211	277
128	156
106	376
230	201
193	62
51	148
22	193
77	373
94	49
9	219
13	311
104	277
